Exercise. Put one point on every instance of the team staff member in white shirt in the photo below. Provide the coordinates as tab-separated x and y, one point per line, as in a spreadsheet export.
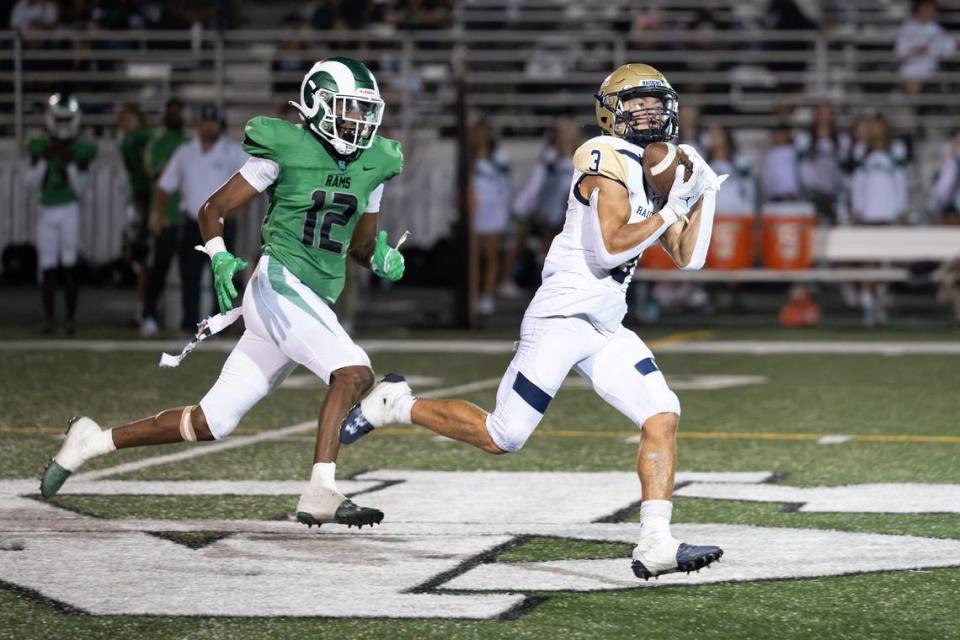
921	43
196	170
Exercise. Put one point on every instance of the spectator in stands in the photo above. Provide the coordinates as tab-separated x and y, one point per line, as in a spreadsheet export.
945	201
196	170
135	136
423	14
34	15
490	199
543	200
343	14
689	119
921	43
821	178
739	193
780	178
33	20
165	220
878	193
878	196
290	61
944	198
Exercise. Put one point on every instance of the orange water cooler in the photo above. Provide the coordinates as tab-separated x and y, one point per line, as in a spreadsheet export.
731	245
788	234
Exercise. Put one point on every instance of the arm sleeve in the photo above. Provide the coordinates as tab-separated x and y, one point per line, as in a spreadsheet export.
170	178
705	230
36	173
373	202
260	172
77	178
592	238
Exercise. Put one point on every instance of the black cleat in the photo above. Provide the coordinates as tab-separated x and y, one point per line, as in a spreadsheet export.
347	513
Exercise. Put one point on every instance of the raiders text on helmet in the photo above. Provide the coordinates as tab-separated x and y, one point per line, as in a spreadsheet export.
340	102
636	81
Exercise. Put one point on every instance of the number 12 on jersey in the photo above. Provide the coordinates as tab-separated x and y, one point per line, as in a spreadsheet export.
336	212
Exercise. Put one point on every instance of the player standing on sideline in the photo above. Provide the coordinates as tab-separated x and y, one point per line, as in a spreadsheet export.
574	320
136	135
165	213
325	181
60	163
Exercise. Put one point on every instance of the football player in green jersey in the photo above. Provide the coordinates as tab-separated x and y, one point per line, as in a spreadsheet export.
60	163
324	179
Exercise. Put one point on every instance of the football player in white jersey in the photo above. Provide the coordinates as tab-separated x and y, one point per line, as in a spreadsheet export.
575	318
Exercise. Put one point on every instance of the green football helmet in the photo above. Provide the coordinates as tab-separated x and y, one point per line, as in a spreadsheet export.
62	116
340	102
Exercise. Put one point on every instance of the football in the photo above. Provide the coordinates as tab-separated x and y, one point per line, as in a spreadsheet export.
660	161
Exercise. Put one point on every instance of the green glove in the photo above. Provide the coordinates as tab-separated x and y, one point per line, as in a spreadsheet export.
225	265
386	262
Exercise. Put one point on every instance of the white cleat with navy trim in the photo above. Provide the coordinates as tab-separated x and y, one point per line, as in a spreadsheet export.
658	554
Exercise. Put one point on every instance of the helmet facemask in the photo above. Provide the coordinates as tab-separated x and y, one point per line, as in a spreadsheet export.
628	124
347	122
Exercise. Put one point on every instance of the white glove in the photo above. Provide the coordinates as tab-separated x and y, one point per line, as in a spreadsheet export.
684	194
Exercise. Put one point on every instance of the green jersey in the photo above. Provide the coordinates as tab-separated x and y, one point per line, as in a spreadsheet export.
317	198
132	148
158	154
55	188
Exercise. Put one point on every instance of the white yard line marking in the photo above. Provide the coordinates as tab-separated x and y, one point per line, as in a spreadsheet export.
834	439
497	347
266	436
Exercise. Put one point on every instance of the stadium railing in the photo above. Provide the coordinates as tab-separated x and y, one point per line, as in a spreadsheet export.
518	78
521	78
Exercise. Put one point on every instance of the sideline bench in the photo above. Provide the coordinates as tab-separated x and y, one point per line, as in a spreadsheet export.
843	245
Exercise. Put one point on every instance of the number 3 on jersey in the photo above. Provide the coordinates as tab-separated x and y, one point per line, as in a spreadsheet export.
596	160
337	212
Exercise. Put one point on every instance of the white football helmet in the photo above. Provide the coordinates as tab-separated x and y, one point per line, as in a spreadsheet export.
340	102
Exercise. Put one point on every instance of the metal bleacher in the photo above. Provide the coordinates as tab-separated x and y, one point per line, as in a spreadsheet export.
522	63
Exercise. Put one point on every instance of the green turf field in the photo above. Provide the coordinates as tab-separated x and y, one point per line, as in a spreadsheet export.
898	416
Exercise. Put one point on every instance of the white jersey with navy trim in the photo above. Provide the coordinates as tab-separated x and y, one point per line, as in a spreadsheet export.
574	283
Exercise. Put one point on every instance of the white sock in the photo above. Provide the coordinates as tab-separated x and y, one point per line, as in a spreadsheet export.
655	517
403	409
324	474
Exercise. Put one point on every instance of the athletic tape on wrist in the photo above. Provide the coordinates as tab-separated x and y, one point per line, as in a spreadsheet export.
213	246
